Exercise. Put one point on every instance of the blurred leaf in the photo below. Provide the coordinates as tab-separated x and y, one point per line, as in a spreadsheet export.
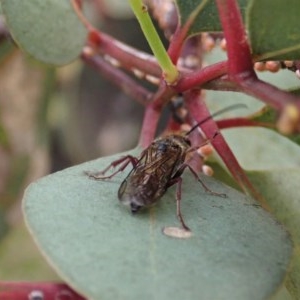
16	180
207	19
274	29
295	91
79	225
6	48
49	30
4	141
3	225
267	115
270	115
20	258
118	9
284	79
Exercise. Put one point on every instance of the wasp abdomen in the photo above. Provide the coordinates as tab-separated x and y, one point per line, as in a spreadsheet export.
137	192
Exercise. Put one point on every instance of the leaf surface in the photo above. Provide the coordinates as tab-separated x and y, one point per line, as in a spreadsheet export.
104	252
207	19
274	29
48	30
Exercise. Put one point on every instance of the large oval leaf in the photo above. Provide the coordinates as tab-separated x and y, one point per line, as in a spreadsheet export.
274	29
237	251
206	19
49	30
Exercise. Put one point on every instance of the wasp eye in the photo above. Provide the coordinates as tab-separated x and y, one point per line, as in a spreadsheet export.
134	207
162	147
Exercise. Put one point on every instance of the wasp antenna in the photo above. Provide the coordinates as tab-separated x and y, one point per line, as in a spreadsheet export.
219	112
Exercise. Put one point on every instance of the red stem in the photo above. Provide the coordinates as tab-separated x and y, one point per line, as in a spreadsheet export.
118	77
268	93
153	112
240	64
199	112
176	44
27	290
238	50
241	122
198	78
129	57
150	121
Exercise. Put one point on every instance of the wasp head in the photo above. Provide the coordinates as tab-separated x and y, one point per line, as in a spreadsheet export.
134	204
134	207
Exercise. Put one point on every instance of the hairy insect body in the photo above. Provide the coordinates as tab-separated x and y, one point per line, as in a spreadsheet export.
157	169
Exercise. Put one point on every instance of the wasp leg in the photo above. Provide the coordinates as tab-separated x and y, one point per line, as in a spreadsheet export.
178	181
208	190
125	160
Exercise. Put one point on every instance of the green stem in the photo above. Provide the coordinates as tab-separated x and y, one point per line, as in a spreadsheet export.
170	71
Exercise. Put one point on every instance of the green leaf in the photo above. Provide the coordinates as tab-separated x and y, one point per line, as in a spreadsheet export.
266	154
20	258
207	19
276	185
48	30
4	140
271	161
274	29
236	251
262	149
270	115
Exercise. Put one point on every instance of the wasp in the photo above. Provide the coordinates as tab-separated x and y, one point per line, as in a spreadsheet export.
157	168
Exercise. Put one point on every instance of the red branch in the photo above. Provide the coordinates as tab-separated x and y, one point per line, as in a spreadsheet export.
36	290
268	93
238	50
240	64
198	78
199	112
128	85
150	121
129	57
241	122
153	113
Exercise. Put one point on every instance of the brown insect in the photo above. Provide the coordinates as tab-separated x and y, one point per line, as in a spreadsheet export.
158	167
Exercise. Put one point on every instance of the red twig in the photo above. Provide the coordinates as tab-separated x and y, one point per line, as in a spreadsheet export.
198	78
153	113
268	93
128	85
129	57
241	122
238	50
36	290
240	64
176	44
199	112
